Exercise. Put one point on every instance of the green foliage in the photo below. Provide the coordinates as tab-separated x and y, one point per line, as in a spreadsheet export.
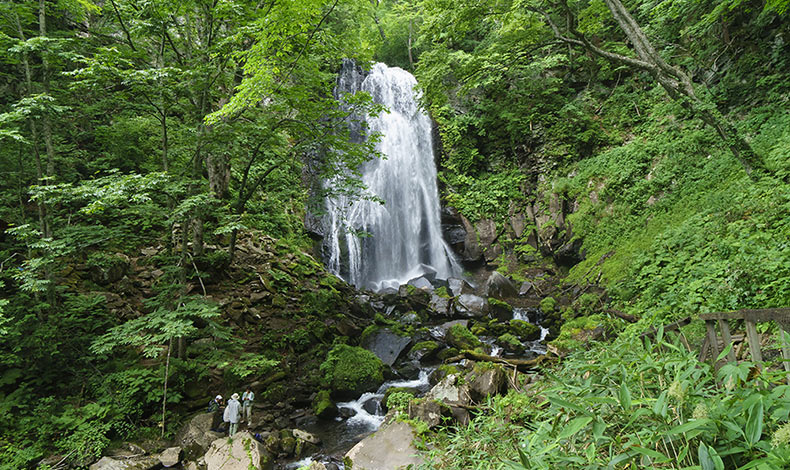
250	365
399	401
620	405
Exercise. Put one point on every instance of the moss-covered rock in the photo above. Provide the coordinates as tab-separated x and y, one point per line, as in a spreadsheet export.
524	330
447	353
323	406
499	309
351	370
460	337
510	343
423	350
548	305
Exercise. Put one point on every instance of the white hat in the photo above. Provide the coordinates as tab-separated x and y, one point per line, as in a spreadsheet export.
235	396
218	397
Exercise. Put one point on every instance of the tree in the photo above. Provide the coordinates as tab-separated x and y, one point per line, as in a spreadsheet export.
673	79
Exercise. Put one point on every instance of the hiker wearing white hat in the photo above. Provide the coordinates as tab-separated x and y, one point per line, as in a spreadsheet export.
232	414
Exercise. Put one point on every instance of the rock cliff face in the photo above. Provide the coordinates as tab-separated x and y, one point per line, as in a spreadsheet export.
542	224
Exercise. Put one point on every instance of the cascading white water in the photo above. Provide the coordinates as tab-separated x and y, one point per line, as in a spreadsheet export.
405	239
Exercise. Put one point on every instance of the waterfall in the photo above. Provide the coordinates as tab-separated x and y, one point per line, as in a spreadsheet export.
402	239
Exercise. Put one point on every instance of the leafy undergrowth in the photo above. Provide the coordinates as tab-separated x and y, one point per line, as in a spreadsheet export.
629	405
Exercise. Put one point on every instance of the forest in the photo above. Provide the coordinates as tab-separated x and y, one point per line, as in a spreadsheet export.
626	162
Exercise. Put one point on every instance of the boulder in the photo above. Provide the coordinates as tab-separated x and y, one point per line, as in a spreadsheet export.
323	406
170	457
421	283
525	331
389	448
440	305
470	306
459	286
306	436
499	286
459	336
423	350
428	411
196	436
485	381
241	452
145	462
351	370
386	345
439	332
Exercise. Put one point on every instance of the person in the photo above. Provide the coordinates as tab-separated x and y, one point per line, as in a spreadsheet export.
231	415
247	398
215	404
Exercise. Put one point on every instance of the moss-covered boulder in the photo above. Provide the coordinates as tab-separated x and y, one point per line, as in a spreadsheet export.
323	406
351	370
460	337
499	309
510	343
423	350
525	331
548	305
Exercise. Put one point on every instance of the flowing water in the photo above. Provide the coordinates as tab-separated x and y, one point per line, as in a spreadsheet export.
403	237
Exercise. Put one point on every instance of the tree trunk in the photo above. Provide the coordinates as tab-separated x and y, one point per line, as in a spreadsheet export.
164	391
218	167
45	123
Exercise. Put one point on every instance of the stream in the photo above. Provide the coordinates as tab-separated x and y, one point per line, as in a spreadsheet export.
361	417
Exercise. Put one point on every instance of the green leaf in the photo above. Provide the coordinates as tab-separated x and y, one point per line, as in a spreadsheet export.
574	426
688	426
754	423
566	404
624	395
724	353
660	458
709	459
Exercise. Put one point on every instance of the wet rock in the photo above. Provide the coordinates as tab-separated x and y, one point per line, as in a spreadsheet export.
389	448
423	350
386	345
500	310
288	445
440	305
421	283
323	406
439	332
241	452
459	286
470	306
499	286
128	463
170	457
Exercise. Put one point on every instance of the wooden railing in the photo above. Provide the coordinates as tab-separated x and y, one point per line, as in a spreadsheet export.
721	319
750	317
